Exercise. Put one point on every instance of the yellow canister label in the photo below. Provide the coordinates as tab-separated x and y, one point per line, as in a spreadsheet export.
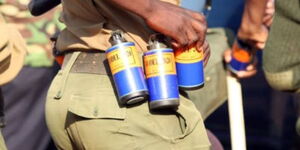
122	58
157	64
191	55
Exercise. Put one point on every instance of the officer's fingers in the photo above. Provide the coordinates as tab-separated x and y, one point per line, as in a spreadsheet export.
251	67
204	46
175	44
267	17
206	55
179	40
206	60
270	7
268	23
179	43
260	45
227	55
200	29
250	70
191	35
270	4
246	74
270	11
196	15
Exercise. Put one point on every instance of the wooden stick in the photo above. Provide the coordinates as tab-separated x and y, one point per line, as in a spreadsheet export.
236	114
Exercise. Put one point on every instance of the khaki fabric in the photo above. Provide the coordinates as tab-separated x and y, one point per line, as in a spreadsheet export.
90	22
82	110
214	93
82	113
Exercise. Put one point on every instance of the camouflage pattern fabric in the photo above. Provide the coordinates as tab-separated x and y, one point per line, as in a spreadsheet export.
36	30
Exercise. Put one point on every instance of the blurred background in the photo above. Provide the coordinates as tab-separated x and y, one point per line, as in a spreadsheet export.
270	116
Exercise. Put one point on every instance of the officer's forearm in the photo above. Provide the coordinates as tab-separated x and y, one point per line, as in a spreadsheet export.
143	8
253	16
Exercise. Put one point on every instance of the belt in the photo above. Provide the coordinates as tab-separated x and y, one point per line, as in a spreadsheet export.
89	62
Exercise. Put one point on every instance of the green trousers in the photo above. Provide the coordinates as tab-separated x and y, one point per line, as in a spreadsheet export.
87	116
82	113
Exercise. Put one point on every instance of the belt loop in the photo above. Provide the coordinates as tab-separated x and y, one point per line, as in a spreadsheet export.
65	73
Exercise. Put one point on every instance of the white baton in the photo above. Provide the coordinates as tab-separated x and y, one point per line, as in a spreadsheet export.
236	114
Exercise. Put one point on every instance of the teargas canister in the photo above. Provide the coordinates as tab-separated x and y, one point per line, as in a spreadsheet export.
242	56
127	71
189	65
161	77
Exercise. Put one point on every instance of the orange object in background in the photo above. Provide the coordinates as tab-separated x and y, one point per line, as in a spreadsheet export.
240	53
59	59
242	56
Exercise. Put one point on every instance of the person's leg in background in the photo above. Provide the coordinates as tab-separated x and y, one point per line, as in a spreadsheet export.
2	142
24	109
25	96
281	57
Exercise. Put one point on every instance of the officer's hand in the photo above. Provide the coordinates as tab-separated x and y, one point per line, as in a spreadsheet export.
185	27
255	22
250	70
256	38
269	13
206	51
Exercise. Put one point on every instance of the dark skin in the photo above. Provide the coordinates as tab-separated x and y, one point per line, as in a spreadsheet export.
184	27
256	20
252	28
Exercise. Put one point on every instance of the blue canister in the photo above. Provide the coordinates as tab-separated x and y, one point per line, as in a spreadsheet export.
127	70
241	56
161	77
189	65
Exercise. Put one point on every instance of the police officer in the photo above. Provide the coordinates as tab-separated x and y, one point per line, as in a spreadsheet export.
281	57
82	110
254	29
12	52
282	54
256	19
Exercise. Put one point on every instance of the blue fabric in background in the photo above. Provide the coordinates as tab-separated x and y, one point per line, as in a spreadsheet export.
195	5
226	13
